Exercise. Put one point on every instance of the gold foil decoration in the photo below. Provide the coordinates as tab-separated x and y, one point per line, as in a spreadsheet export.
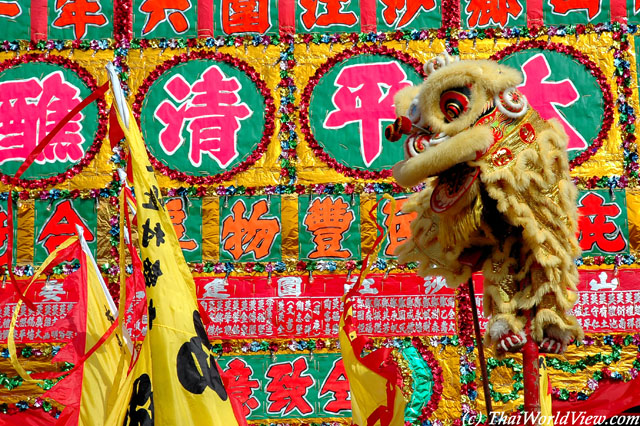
105	212
26	231
210	228
368	229
289	218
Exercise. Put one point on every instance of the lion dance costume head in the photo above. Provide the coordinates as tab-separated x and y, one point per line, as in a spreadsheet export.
498	197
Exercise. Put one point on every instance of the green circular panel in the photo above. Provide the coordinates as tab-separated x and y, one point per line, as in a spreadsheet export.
34	96
557	85
203	117
351	106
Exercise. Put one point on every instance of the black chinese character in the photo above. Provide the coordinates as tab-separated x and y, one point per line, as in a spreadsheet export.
148	234
199	350
151	272
151	314
140	411
154	200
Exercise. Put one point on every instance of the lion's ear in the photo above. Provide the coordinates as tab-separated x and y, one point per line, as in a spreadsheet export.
403	99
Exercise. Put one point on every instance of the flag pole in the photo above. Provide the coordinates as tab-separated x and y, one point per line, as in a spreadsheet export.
531	375
112	306
479	343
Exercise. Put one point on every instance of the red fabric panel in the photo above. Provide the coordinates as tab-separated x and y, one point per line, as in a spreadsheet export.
611	398
287	16
30	417
619	10
368	15
205	18
39	20
534	13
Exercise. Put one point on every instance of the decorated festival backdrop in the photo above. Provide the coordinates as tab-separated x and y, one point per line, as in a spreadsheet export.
264	121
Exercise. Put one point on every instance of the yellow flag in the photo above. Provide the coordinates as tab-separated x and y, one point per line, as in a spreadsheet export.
185	380
546	414
101	367
376	399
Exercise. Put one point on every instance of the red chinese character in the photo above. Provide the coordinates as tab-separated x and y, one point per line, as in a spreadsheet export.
4	237
288	387
78	14
485	12
595	227
61	225
212	109
328	220
245	16
178	214
333	14
405	10
545	96
254	234
365	96
400	229
162	10
237	377
337	383
10	9
29	109
562	7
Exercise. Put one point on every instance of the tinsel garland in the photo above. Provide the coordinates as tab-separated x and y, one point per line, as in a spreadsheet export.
287	113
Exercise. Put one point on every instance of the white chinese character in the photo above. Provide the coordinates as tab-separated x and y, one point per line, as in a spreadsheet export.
603	284
433	284
216	289
365	288
289	286
51	290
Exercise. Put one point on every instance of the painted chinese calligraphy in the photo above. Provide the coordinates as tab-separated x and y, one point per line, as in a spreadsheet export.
78	14
332	13
365	96
245	16
254	234
545	96
29	109
328	220
400	13
596	226
165	10
211	108
482	13
288	387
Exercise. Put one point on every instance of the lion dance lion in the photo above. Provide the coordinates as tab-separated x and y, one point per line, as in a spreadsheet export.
498	198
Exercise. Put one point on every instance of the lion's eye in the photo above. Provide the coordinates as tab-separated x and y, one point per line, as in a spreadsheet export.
414	112
454	102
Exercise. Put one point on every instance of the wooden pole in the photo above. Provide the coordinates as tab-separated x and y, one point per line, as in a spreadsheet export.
483	364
